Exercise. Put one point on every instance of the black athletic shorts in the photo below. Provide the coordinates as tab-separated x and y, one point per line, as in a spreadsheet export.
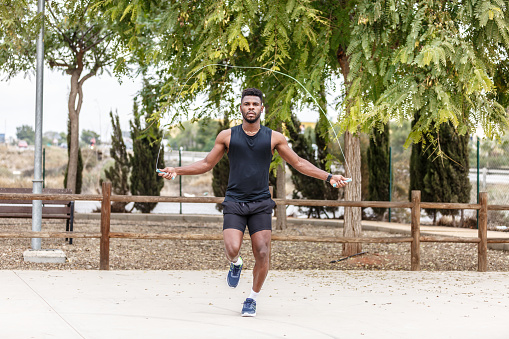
257	215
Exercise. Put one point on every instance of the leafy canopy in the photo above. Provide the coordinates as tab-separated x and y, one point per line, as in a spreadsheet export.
178	38
437	58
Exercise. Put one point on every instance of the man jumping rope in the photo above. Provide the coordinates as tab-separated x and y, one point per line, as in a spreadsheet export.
250	147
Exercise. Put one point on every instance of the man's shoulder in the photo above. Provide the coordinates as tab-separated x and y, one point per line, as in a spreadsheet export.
224	134
277	135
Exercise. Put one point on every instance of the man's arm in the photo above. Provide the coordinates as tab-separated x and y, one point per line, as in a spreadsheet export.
204	165
302	165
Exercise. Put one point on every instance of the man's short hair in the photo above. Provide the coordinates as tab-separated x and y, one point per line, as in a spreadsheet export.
255	92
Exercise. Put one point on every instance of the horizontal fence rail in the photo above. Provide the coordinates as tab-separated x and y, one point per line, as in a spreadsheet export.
415	205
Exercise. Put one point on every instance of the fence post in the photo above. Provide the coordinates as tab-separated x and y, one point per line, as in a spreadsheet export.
416	231
482	249
105	227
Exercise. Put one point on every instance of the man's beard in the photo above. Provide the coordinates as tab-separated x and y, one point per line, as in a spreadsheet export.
252	120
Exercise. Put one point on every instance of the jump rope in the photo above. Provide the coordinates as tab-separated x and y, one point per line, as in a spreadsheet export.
269	70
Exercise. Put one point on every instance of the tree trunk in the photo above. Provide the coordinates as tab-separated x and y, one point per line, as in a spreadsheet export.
281	194
353	215
74	111
352	221
74	106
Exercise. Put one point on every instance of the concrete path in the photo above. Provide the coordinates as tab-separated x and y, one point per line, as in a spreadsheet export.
293	304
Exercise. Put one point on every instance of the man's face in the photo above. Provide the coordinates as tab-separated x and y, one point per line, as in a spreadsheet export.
251	108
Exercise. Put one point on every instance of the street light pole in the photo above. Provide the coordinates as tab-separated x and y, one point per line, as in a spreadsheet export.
37	181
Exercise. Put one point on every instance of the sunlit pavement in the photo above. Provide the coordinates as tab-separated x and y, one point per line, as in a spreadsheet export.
293	304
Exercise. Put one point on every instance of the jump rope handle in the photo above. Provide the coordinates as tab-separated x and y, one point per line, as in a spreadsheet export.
159	171
347	180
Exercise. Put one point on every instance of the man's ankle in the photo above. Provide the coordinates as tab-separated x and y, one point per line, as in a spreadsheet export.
238	262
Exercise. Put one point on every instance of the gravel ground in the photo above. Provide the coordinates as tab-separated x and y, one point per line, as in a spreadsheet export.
127	254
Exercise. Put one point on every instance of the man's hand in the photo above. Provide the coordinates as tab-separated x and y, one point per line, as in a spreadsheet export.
338	180
168	173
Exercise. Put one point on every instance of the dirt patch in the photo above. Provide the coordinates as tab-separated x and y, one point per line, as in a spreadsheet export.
128	254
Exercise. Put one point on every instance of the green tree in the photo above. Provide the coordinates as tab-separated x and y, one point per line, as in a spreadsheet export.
199	137
324	158
87	136
305	187
445	179
79	39
221	172
378	164
27	133
118	174
146	141
307	39
338	31
434	58
205	139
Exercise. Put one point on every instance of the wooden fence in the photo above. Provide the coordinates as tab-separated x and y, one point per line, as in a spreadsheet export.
415	239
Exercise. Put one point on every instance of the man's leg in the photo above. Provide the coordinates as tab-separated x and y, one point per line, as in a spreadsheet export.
260	242
232	242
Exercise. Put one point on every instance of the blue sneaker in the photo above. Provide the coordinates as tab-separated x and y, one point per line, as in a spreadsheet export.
233	276
249	308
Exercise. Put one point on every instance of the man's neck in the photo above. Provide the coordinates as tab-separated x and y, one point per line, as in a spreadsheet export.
248	127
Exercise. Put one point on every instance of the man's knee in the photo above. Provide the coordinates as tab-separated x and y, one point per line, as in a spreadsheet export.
232	242
231	251
261	253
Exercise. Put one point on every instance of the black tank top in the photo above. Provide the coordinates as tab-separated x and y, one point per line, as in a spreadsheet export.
250	158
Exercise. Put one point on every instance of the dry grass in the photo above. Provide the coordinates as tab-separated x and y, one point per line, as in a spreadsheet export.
17	168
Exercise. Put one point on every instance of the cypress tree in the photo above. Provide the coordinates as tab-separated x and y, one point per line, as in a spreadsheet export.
146	141
118	174
441	172
79	175
322	137
378	163
221	172
307	187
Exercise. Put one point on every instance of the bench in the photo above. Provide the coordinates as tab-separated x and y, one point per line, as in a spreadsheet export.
51	209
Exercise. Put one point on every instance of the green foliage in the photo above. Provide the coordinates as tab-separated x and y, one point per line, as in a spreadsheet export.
79	174
322	141
180	37
378	164
305	187
77	34
446	179
27	133
199	137
437	58
118	175
87	135
144	179
221	172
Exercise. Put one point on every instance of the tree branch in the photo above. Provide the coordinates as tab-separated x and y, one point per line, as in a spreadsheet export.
91	74
54	63
66	38
98	42
85	34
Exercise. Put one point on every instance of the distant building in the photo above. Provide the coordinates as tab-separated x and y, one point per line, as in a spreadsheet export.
305	124
2	138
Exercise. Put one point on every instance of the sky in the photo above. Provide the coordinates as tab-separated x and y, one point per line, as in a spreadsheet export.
100	95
